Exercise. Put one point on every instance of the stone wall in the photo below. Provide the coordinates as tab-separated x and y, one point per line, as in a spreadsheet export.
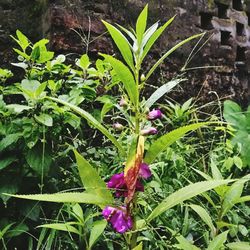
74	27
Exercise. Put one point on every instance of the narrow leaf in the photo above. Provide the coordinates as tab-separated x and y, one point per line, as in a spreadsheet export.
91	120
61	226
73	197
205	217
122	44
218	241
125	76
91	180
162	91
141	24
170	52
184	244
241	245
166	140
184	194
96	231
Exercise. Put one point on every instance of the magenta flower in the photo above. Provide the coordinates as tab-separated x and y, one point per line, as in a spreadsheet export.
144	171
149	131
117	182
118	126
120	220
154	114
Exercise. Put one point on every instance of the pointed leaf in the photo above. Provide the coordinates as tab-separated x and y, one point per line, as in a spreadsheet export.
125	76
184	244
205	217
96	231
122	44
61	226
166	140
162	91
184	194
92	121
241	245
155	36
71	197
141	24
138	247
218	241
170	52
91	180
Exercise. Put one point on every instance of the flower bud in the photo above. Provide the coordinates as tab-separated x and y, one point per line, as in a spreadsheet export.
118	126
143	78
149	131
123	102
154	114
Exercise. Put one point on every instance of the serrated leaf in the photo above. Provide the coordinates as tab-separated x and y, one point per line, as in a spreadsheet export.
218	241
92	121
91	181
166	140
96	231
122	44
184	194
125	76
70	197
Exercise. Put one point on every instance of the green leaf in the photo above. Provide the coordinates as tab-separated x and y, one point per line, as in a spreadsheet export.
205	217
61	226
243	199
218	241
9	140
38	161
22	40
19	229
241	245
233	194
138	247
184	244
166	140
24	55
92	121
5	230
162	91
91	181
122	44
238	162
71	197
155	36
44	119
84	62
170	52
141	24
125	76
5	162
96	231
17	108
184	194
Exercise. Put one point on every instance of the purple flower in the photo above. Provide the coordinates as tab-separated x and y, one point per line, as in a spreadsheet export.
117	182
154	114
149	131
118	126
120	220
144	172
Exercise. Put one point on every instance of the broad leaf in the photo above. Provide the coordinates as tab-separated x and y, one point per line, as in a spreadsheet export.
122	44
170	52
162	91
5	162
62	227
71	197
125	76
218	241
17	108
205	217
92	121
44	119
9	140
91	180
184	194
166	140
96	231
